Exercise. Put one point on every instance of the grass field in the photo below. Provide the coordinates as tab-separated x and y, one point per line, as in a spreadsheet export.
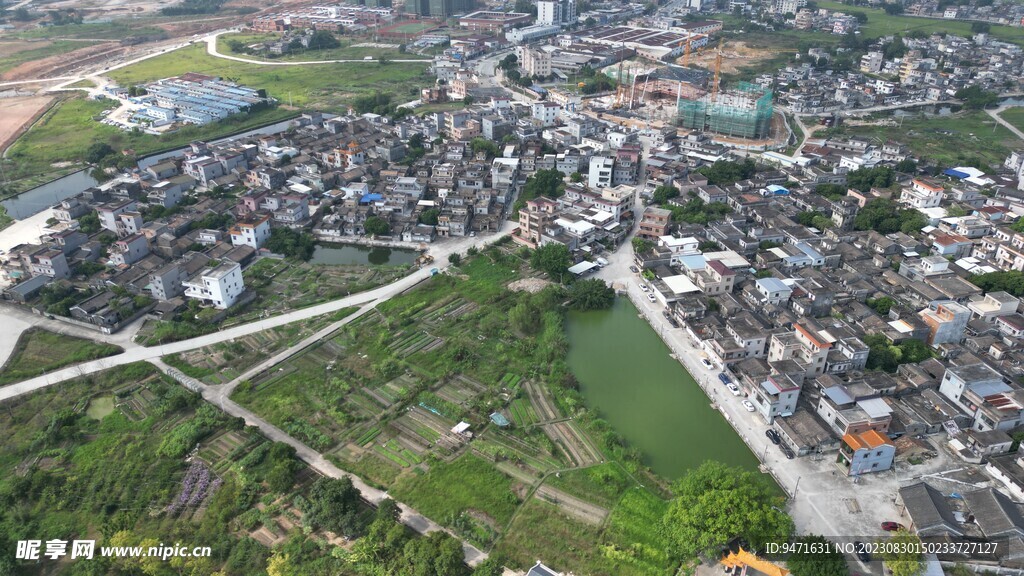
315	85
412	28
65	132
468	483
346	52
123	28
11	59
949	140
633	535
881	24
603	484
1014	116
39	351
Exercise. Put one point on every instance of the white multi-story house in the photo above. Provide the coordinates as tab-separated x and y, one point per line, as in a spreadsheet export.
252	231
219	287
922	195
601	171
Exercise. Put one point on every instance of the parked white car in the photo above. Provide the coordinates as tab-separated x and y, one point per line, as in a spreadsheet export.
748	406
734	389
651	297
643	287
707	363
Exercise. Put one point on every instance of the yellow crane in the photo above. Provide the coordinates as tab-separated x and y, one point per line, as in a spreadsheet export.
718	71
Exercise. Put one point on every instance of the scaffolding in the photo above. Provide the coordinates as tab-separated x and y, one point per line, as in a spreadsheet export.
745	112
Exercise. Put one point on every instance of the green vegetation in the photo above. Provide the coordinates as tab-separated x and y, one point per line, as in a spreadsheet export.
1014	116
450	489
338	50
548	183
725	172
376	226
968	138
45	50
603	484
715	504
696	211
292	243
885	217
886	356
975	98
65	132
39	351
881	305
905	558
553	259
592	294
1011	281
815	219
319	85
879	24
830	563
865	179
120	29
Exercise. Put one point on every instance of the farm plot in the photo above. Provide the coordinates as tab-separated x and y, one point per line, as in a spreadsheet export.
449	311
410	344
421	426
573	443
509	380
396	452
459	391
499	446
391	393
543	405
523	413
572	506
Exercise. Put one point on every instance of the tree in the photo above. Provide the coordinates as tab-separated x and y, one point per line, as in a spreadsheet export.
865	179
886	217
1011	281
89	223
828	562
907	166
715	504
333	504
975	98
547	183
455	259
641	245
663	194
429	216
323	40
376	226
725	172
525	317
708	246
980	27
904	557
591	294
21	14
478	145
552	258
97	151
576	177
289	242
881	305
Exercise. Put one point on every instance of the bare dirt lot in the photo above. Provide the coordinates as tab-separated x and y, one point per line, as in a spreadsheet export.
16	114
735	55
61	63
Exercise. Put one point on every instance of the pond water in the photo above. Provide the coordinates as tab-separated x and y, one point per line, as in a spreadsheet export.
626	374
351	254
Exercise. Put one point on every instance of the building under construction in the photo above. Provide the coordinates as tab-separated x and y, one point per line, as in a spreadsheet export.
745	112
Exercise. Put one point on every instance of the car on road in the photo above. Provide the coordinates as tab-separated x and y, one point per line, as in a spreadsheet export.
643	287
634	269
892	526
650	297
785	450
747	404
707	363
734	389
773	436
861	551
724	377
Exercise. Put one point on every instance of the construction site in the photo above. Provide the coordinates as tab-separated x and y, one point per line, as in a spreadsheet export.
691	98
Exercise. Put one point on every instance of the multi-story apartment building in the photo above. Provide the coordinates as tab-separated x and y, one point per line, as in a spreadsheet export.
219	287
252	230
980	391
946	322
806	344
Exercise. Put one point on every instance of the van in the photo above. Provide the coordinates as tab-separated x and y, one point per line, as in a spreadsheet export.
368	58
602	262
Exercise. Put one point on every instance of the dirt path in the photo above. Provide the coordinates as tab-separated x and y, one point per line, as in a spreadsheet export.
574	507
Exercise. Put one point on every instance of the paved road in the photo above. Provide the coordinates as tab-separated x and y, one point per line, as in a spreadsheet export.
16	320
211	49
995	114
440	251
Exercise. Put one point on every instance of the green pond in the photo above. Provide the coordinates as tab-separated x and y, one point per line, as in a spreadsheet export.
626	374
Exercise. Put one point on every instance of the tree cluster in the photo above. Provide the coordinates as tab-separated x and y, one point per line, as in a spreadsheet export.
725	172
291	243
975	98
1011	282
886	356
865	179
696	211
885	217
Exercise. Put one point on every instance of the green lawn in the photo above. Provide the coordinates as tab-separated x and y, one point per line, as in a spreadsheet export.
9	61
122	28
447	490
949	140
313	85
63	134
40	351
881	24
541	531
1014	116
346	52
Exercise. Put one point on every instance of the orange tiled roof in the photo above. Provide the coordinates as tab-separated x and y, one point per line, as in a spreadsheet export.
870	439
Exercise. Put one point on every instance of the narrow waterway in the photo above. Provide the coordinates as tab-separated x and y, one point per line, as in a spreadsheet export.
626	374
351	254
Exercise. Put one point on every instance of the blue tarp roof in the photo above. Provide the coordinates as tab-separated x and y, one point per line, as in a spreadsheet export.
956	173
776	189
367	198
499	419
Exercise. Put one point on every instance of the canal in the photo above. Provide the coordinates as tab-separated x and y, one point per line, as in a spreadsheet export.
351	254
626	374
